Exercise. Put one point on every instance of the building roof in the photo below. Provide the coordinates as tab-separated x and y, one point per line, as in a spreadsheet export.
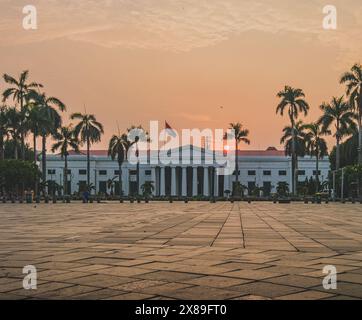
270	152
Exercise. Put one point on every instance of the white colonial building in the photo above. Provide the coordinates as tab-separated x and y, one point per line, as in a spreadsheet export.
263	169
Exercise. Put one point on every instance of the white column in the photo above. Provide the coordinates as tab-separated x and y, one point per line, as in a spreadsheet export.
125	180
141	179
216	186
153	180
184	181
206	181
173	181
194	181
162	182
227	183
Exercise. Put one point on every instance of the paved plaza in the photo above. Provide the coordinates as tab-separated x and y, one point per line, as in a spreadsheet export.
195	250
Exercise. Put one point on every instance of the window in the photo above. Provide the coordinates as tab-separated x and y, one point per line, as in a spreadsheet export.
82	172
251	186
267	173
148	172
251	173
234	173
133	172
267	188
51	171
69	171
116	172
282	172
103	187
82	186
102	172
315	172
301	172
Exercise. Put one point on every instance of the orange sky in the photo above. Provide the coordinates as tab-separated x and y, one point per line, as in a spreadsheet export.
135	61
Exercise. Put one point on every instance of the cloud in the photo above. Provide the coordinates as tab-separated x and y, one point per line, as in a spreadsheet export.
178	25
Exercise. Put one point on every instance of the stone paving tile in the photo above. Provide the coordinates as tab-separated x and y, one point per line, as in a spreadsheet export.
216	281
265	289
297	281
169	276
99	294
347	289
131	296
137	286
307	295
171	251
100	281
203	292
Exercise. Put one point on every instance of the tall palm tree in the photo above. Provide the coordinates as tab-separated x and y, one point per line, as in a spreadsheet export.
35	120
140	135
19	91
241	135
287	139
3	131
49	107
353	81
339	113
66	141
13	117
116	149
294	101
316	144
89	131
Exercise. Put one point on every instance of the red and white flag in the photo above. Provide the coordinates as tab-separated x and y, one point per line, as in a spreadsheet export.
170	130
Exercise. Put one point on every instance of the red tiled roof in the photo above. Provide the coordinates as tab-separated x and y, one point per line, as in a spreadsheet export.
242	153
261	153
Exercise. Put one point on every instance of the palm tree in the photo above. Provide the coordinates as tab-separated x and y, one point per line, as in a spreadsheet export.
316	144
66	140
53	121
116	148
287	140
293	100
339	113
139	135
35	120
13	117
89	130
241	135
110	184
3	131
353	81
147	188
19	91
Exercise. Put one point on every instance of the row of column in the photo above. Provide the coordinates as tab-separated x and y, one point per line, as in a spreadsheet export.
159	181
184	182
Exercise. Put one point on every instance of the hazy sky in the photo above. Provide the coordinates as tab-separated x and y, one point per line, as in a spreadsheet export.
133	61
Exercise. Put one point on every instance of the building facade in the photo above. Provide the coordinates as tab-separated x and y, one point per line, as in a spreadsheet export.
263	169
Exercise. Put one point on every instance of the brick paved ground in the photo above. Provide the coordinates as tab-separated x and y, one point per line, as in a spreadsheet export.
181	251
